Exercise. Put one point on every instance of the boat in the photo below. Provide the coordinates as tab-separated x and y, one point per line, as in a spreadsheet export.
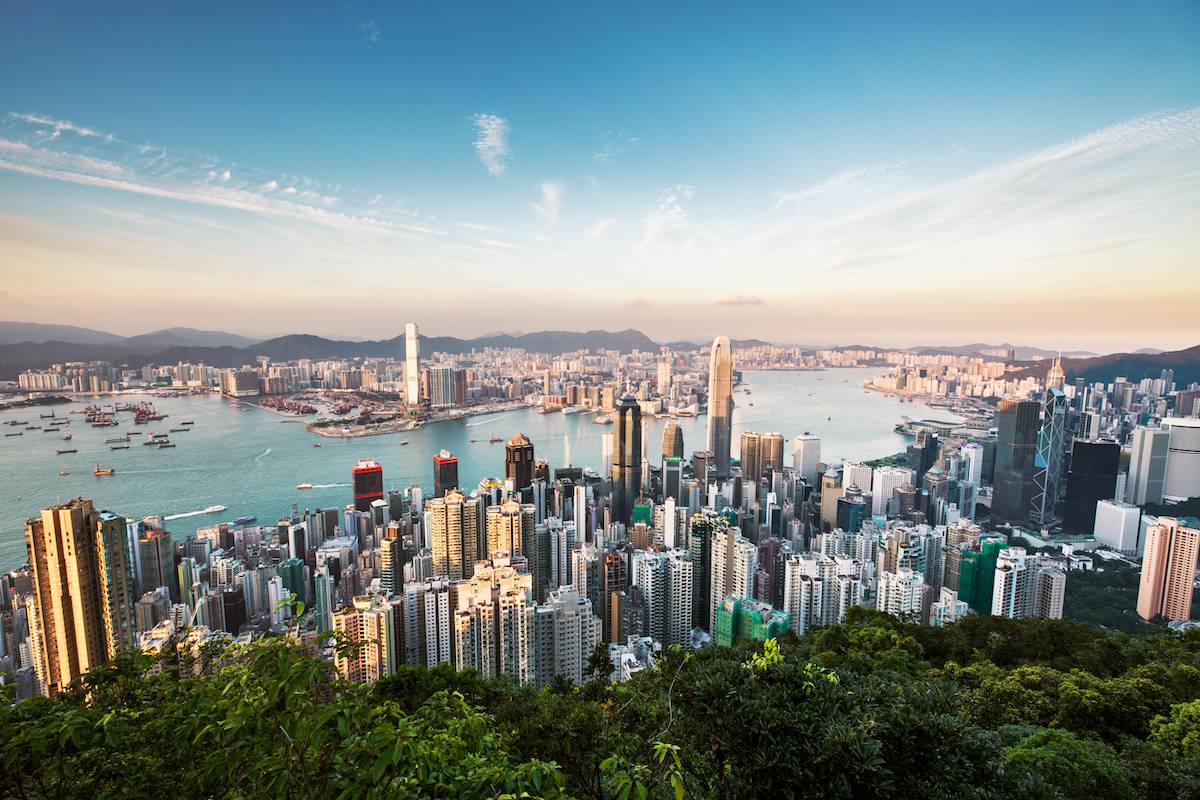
214	509
187	422
67	436
304	486
161	445
316	444
402	443
51	430
62	473
150	439
572	409
34	428
119	447
46	416
97	470
117	440
179	430
18	433
64	452
493	439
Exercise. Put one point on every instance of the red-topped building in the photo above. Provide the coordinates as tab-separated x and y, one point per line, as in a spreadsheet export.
368	484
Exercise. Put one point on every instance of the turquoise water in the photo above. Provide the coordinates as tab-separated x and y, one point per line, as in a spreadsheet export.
251	461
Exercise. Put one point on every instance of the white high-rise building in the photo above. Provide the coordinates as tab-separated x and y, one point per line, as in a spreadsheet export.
1182	477
884	482
972	456
427	622
732	563
412	364
1147	465
819	589
904	593
665	581
1023	587
1118	525
947	609
806	454
492	621
855	473
720	404
565	633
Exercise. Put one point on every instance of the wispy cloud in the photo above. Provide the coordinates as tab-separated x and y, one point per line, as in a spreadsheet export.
614	144
667	221
59	126
550	203
371	32
740	300
1088	248
151	170
599	228
491	142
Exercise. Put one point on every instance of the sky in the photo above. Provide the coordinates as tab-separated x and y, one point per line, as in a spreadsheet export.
880	173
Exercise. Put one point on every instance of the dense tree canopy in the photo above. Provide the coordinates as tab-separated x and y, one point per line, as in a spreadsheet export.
986	708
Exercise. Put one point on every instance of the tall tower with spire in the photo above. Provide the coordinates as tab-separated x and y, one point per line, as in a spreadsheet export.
720	404
1055	378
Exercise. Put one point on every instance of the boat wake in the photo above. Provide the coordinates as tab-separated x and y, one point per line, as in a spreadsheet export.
484	421
262	455
185	514
330	485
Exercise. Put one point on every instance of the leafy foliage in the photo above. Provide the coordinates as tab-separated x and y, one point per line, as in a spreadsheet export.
874	708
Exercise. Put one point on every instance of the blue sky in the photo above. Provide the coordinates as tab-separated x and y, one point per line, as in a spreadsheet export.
801	174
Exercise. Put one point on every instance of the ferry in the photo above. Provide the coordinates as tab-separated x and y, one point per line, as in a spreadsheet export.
97	470
304	486
214	509
64	452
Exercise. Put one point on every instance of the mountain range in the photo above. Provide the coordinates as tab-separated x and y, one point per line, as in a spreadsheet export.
28	345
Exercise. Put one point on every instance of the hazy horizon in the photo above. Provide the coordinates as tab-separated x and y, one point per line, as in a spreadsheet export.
936	175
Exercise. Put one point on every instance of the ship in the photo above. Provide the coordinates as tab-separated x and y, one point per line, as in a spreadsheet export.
50	430
304	486
98	470
67	436
117	440
214	509
603	419
62	473
492	439
180	430
18	433
165	443
572	409
318	444
64	452
187	422
119	447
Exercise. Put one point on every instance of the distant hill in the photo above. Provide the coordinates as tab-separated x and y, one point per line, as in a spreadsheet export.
177	344
16	332
1134	366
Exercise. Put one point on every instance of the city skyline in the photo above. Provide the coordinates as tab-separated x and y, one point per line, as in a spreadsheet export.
734	179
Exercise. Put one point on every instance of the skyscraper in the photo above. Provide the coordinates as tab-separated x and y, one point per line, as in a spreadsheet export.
1147	465
750	457
1182	478
806	454
626	458
1049	460
672	441
1168	570
83	585
368	484
565	632
1093	477
1016	449
455	524
518	462
720	404
412	365
445	473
